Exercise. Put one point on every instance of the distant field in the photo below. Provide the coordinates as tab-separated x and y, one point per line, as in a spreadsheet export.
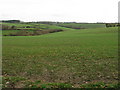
7	32
82	25
72	57
31	27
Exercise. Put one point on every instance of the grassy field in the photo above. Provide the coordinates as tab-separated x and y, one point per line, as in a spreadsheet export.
82	25
32	27
63	59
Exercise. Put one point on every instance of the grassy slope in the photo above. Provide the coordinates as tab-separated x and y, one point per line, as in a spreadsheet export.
46	26
22	26
73	56
42	26
82	25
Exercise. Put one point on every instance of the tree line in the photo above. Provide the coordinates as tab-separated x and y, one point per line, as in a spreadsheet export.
112	24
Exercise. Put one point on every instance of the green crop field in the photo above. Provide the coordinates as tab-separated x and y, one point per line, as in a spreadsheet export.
82	25
41	26
67	59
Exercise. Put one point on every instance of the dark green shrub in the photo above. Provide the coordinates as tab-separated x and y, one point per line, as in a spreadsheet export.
13	27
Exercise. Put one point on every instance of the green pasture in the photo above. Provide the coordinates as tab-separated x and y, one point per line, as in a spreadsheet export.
83	25
72	57
33	26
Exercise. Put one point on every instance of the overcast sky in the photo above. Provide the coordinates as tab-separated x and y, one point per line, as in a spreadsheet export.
60	10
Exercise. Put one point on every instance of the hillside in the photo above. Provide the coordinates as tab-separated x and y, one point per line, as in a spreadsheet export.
31	29
65	59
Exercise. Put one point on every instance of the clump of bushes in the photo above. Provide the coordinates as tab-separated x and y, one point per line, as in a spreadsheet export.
34	32
56	30
5	27
112	25
40	32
